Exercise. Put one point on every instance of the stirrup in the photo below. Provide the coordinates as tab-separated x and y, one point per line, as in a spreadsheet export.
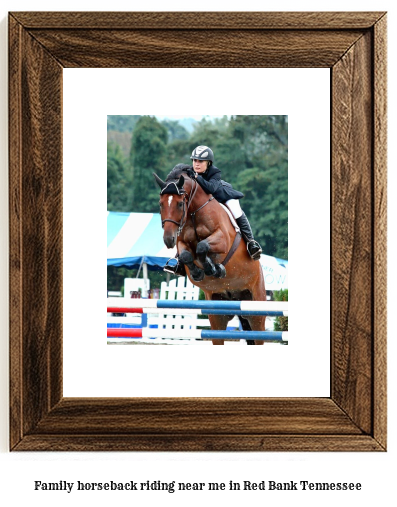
254	249
178	269
171	269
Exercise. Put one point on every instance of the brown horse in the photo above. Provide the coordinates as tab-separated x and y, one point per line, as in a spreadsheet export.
202	231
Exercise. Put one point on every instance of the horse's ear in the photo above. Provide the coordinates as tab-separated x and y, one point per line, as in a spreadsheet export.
159	181
180	182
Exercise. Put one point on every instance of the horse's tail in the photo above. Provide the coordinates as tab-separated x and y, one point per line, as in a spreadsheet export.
246	327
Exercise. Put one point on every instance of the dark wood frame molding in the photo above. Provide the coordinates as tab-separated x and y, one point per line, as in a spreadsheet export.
353	46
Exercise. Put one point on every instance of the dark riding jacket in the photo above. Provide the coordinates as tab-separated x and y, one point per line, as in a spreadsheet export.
211	183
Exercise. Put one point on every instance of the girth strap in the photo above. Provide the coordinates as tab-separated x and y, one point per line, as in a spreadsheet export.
235	244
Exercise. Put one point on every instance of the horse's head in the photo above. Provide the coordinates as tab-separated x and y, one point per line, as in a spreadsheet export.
173	207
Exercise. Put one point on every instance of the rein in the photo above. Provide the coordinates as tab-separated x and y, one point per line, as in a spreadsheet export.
193	215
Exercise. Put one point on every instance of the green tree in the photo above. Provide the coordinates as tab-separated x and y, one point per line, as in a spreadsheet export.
116	275
119	180
148	155
281	323
208	133
122	123
178	152
265	181
175	130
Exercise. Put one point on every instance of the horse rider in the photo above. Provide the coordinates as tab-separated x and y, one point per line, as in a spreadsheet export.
208	177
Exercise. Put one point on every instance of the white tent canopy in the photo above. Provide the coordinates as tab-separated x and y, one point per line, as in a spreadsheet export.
136	238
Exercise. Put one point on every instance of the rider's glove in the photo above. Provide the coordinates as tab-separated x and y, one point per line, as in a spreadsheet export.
191	173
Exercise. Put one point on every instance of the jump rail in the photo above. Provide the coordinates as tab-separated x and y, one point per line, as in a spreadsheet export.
268	308
281	336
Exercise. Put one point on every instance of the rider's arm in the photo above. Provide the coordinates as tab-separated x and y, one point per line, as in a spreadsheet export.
212	185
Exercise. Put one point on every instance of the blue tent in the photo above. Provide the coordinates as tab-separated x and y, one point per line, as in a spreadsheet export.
136	239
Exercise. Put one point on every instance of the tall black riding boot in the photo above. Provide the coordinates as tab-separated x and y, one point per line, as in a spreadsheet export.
253	247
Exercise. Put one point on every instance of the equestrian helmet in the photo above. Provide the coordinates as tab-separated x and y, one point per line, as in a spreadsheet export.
203	153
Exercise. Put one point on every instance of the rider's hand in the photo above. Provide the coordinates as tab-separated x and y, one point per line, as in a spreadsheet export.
191	173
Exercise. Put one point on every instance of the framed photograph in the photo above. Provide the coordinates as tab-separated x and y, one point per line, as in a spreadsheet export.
88	95
353	47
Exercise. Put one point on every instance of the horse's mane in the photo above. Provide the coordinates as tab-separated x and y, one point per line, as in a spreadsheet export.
177	171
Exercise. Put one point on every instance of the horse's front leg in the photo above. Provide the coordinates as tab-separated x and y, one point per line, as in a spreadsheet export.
202	251
210	268
186	257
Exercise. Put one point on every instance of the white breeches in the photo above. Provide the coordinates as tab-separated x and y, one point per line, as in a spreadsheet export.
235	208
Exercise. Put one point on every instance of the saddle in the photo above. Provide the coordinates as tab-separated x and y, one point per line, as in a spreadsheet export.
231	217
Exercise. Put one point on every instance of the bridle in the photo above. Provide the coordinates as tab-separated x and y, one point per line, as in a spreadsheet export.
187	200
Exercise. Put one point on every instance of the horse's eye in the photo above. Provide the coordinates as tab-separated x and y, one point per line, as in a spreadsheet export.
180	204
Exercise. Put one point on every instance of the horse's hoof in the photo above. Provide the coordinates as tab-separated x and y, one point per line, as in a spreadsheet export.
198	275
210	270
221	271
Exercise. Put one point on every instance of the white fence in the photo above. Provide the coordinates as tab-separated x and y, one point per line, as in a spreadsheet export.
178	289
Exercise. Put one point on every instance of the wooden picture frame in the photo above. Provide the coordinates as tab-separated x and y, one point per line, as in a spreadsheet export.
353	46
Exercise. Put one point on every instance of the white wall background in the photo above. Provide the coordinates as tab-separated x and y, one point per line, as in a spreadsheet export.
19	471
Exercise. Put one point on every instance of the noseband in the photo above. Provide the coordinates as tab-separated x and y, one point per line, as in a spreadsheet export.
189	199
